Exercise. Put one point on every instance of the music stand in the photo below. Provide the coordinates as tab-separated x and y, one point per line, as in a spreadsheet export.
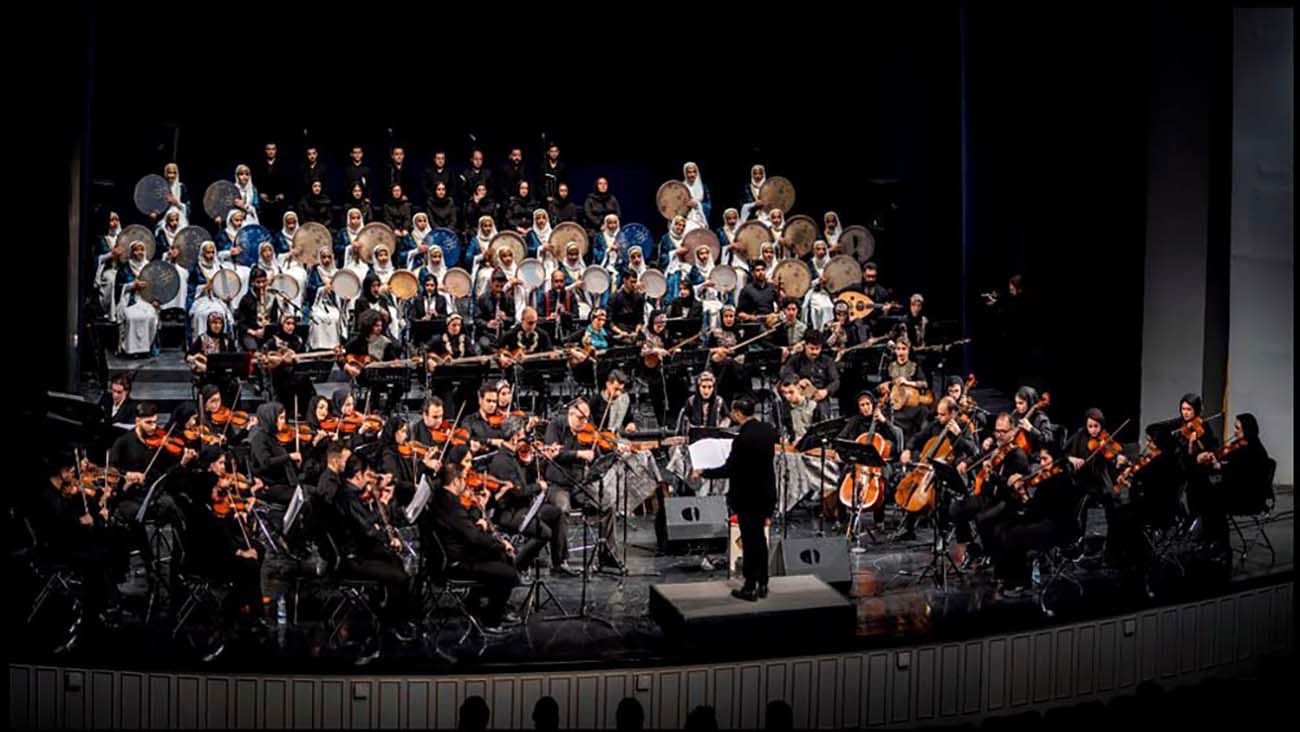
940	560
424	331
239	365
679	329
421	499
860	454
295	508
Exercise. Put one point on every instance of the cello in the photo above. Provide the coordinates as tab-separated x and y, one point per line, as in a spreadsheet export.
867	481
915	492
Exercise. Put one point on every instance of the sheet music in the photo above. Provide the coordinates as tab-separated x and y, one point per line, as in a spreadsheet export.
295	508
421	499
709	453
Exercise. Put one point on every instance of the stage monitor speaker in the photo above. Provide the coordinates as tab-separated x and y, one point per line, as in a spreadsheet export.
825	557
696	518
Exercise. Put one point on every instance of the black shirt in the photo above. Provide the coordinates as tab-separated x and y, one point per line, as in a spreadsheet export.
627	310
752	487
757	300
821	371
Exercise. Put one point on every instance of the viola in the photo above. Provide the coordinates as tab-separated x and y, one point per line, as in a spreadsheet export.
1108	447
164	440
1021	439
986	470
227	415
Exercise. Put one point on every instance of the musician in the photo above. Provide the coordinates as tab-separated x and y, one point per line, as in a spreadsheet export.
431	303
433	416
479	206
612	407
595	336
1040	518
346	241
441	208
474	174
1244	485
569	464
831	231
905	373
955	389
573	266
798	412
473	551
700	204
552	175
705	408
878	293
790	330
524	338
558	302
1093	473
357	197
141	465
563	209
313	169
484	425
685	305
345	405
964	447
627	307
366	551
455	342
398	173
914	322
493	311
213	403
519	208
272	462
816	367
672	247
118	406
605	245
288	384
539	236
516	464
247	200
985	509
1038	427
759	297
751	495
316	205
599	204
136	314
356	171
437	173
256	310
724	363
369	343
412	247
220	545
733	253
226	236
1193	456
654	350
749	194
318	410
403	470
861	424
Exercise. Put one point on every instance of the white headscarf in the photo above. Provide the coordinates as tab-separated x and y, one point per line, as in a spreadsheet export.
819	263
174	187
327	271
478	233
418	233
604	227
137	265
441	270
232	232
284	227
247	193
707	268
166	232
639	270
266	259
832	235
384	273
754	188
672	235
113	232
352	233
208	271
695	216
543	232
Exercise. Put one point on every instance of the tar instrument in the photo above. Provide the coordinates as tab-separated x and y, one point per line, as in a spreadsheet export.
653	358
364	361
273	359
915	492
905	395
868	343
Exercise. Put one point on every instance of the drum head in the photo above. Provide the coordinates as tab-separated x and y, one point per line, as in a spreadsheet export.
134	233
703	237
656	285
532	272
672	198
595	279
219	199
635	235
858	243
802	232
566	233
793	277
162	279
403	284
375	235
346	284
226	284
311	238
753	235
286	285
447	241
507	240
777	192
841	273
188	240
456	283
724	277
151	195
249	240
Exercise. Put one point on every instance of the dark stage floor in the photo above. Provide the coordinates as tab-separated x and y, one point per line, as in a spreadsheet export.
892	609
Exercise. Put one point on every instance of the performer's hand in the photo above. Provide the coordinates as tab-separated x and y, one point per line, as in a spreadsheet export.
1077	462
395	543
1121	460
954	427
86	520
906	457
588	455
695	475
133	478
188	455
820	395
296	457
631	428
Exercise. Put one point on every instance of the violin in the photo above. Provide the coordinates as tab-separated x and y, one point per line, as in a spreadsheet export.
477	481
1108	447
164	440
1230	448
288	435
1125	478
590	436
226	498
994	460
1021	440
202	434
226	415
411	447
352	423
1192	430
94	477
498	419
1038	476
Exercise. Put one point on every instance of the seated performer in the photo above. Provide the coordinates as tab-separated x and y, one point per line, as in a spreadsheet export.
797	411
256	310
516	464
485	424
494	312
905	374
705	408
759	298
1244	467
612	407
1044	512
524	339
947	421
862	423
472	551
1037	427
812	368
275	465
1005	460
569	467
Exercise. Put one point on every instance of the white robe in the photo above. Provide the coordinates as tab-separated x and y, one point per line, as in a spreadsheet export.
205	305
326	329
137	321
178	302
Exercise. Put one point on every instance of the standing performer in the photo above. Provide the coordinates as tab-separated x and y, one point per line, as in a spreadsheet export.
751	495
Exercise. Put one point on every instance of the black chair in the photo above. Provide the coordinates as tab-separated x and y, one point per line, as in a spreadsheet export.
1257	517
440	586
203	598
61	582
351	597
1061	562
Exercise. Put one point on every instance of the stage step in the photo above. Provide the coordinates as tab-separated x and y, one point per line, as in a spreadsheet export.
800	608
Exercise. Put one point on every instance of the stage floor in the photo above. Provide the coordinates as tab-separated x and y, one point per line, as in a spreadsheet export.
891	609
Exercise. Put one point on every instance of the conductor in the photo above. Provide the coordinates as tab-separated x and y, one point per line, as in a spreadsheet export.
752	493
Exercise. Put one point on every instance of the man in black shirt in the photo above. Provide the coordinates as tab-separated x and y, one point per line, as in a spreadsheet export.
493	312
435	174
483	435
313	169
272	185
758	299
569	464
547	526
513	171
473	175
964	449
472	551
751	494
397	173
627	307
986	509
525	339
117	404
816	368
552	176
356	171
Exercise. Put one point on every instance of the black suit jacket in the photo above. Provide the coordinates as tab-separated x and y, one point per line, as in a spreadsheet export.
125	415
749	469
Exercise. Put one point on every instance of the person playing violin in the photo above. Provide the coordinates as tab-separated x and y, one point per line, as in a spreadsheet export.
1190	442
1037	427
1244	470
517	466
398	459
472	550
612	407
346	413
315	415
219	419
1002	460
133	454
1041	517
523	339
277	465
955	389
366	549
570	463
484	426
1095	473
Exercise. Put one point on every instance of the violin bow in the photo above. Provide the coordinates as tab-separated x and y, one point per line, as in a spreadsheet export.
226	430
297	438
76	461
446	445
156	453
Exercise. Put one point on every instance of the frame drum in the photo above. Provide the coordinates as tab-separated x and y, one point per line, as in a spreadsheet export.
568	232
656	285
802	232
346	284
162	280
753	235
724	278
703	237
671	199
374	235
858	242
134	233
310	238
219	199
403	284
226	284
793	277
841	273
595	279
151	195
189	240
532	272
507	239
456	282
777	192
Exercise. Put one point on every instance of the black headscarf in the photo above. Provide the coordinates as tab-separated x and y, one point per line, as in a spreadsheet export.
339	398
1029	394
1096	414
267	415
311	410
952	380
1192	400
388	438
